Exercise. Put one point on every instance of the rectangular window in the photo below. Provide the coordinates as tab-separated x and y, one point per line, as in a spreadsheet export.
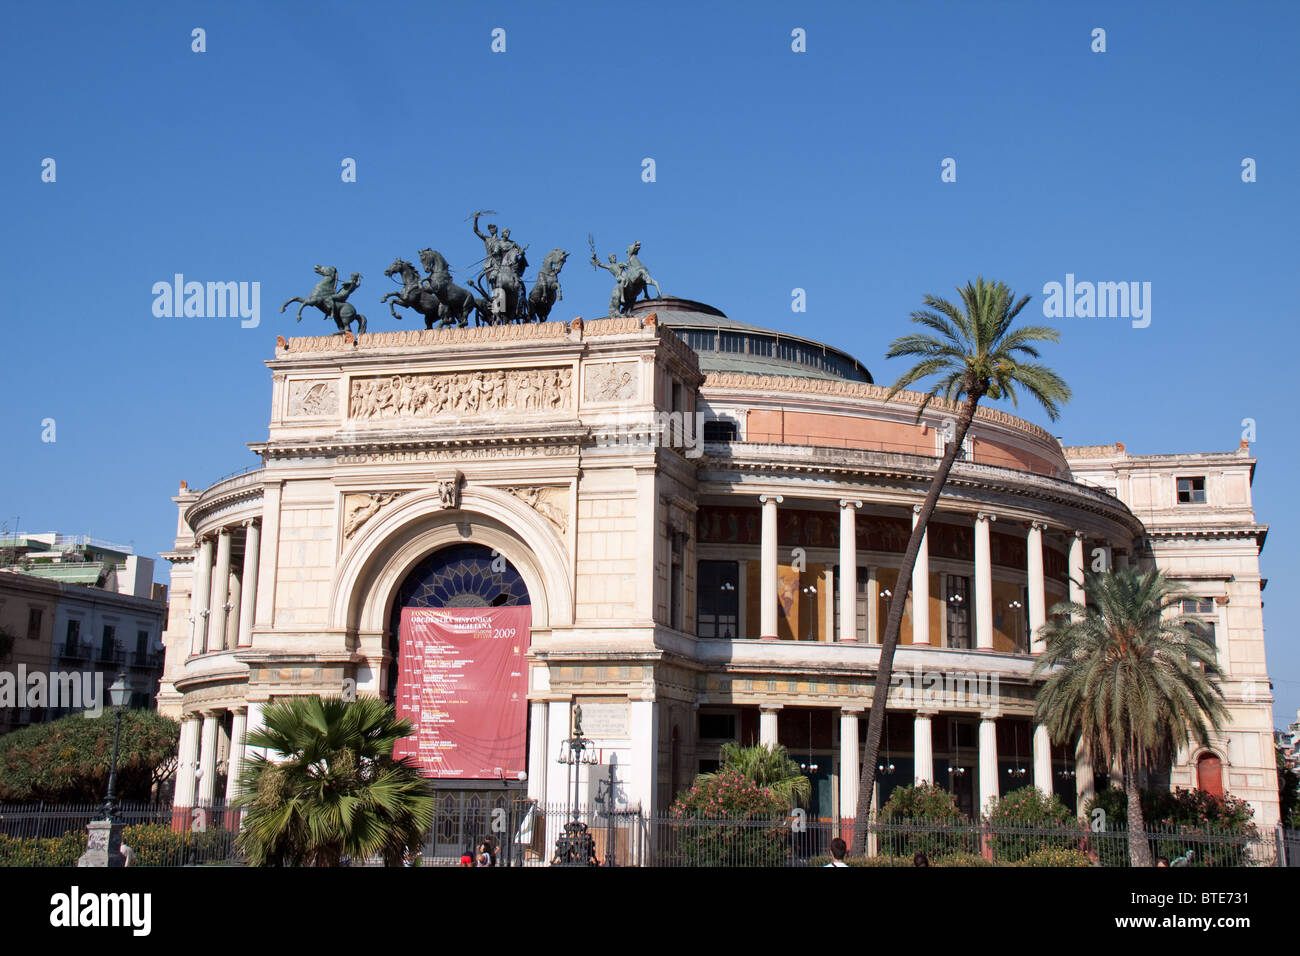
720	430
34	624
141	645
107	643
717	599
700	341
957	598
74	635
717	726
676	585
760	345
1191	491
731	342
1198	606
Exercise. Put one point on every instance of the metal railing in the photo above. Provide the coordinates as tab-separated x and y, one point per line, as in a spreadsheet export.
526	833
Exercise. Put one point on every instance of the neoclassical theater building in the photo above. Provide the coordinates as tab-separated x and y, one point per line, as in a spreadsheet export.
703	520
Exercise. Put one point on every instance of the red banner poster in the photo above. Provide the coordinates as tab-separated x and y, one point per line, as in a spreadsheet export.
462	682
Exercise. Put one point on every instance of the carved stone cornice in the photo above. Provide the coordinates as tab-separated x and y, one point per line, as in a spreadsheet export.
897	469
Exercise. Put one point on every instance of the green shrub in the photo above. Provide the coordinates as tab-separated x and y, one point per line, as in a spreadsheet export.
1030	809
910	820
157	844
42	851
1053	856
1217	830
66	760
725	819
959	858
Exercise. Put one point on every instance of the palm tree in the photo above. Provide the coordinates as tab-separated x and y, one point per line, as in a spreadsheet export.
975	354
1129	680
767	767
333	788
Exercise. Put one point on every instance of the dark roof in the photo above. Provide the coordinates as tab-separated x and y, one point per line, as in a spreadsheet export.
803	357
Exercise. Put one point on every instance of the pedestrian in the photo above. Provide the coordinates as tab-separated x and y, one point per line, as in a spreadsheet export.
838	851
466	860
920	859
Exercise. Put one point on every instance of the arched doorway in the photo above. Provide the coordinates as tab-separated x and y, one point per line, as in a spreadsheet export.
1209	774
462	577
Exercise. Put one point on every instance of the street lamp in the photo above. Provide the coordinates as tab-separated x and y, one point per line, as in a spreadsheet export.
104	837
118	692
575	847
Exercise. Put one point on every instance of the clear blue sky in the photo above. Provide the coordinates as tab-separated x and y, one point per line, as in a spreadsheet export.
775	170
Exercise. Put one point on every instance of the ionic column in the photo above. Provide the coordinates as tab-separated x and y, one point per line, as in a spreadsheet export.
849	763
767	575
988	763
1037	589
767	732
201	592
208	758
873	610
230	635
248	600
221	593
238	730
983	582
848	570
187	762
922	748
920	587
1084	785
1076	569
254	722
1043	760
537	753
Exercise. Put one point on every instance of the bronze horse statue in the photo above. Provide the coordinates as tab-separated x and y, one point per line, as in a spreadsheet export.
414	295
546	287
334	303
456	303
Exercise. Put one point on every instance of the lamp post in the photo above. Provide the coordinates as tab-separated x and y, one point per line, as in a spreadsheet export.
576	847
104	837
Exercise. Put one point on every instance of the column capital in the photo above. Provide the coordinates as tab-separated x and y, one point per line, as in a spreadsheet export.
850	503
985	516
769	708
764	499
249	522
239	709
916	509
1038	525
1080	535
853	710
989	716
192	716
926	713
212	712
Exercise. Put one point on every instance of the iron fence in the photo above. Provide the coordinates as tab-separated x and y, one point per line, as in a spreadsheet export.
530	834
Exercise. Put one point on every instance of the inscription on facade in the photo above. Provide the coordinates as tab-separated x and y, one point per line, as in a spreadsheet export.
604	716
461	394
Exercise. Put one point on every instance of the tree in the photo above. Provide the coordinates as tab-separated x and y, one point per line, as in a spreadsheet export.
333	788
975	354
66	760
1130	681
765	767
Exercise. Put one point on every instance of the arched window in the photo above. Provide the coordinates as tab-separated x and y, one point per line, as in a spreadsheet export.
1209	774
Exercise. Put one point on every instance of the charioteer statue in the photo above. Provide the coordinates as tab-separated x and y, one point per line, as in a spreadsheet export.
631	277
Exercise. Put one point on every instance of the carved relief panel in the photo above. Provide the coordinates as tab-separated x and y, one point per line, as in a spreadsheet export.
461	394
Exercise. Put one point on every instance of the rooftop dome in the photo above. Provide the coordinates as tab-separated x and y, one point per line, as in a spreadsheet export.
726	345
